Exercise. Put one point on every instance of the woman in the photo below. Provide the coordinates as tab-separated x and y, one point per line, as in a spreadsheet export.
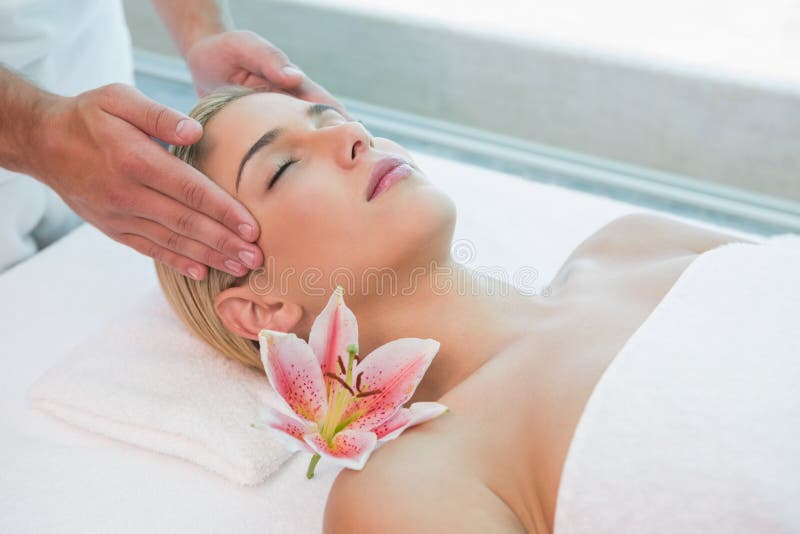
516	371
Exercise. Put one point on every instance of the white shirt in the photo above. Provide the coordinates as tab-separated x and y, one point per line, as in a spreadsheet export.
65	47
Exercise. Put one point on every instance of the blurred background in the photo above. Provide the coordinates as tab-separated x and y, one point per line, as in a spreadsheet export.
691	106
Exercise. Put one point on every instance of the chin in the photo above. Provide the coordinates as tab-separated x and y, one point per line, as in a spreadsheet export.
422	226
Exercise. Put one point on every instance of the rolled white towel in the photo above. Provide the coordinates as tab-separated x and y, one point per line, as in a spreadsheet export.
146	380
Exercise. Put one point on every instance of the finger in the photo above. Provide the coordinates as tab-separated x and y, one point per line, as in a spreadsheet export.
313	92
292	74
176	179
157	120
269	66
191	224
264	59
181	264
189	248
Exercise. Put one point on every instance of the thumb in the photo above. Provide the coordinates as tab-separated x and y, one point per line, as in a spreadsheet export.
291	74
154	119
271	63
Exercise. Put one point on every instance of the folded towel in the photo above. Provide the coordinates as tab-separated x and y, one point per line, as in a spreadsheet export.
695	425
147	380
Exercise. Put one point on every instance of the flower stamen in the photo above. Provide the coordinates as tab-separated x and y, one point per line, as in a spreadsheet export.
342	382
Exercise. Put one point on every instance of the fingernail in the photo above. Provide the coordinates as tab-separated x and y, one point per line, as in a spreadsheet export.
195	273
184	127
292	71
234	266
246	231
248	258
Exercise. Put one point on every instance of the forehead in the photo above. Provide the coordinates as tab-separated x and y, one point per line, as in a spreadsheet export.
256	112
233	129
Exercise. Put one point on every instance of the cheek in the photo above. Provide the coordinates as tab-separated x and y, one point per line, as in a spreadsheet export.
390	147
311	226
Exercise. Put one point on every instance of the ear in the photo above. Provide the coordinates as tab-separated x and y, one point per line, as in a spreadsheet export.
245	314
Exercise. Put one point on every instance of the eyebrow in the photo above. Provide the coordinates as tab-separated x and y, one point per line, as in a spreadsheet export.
314	110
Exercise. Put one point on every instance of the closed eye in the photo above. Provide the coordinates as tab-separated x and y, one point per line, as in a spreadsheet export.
286	164
281	168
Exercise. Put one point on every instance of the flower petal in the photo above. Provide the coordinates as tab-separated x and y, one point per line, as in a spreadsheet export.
294	373
395	369
332	332
417	413
350	448
394	426
286	429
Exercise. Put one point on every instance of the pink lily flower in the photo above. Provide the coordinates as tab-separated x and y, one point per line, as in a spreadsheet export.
341	411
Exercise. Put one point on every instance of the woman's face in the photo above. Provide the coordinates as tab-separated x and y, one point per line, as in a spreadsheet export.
316	217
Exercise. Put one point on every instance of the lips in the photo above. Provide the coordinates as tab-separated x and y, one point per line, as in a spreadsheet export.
380	170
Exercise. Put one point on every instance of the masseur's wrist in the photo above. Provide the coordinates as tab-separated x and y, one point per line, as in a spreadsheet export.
191	21
23	111
198	34
53	139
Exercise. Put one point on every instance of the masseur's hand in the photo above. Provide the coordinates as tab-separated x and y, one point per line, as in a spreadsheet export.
98	156
245	58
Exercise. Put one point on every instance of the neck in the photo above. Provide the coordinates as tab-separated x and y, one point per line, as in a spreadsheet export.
473	318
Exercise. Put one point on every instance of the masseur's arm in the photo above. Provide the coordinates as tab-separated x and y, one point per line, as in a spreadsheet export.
216	56
94	150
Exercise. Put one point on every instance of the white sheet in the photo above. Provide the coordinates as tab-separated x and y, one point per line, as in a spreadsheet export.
56	478
695	425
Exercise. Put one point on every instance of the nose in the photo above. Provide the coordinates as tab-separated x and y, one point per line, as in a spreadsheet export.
350	142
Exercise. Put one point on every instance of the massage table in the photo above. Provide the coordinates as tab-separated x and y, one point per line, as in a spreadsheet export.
59	478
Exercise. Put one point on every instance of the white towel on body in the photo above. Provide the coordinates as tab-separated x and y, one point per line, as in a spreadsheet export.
695	425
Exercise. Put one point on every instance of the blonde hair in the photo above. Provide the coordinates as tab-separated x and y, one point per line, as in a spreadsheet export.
193	300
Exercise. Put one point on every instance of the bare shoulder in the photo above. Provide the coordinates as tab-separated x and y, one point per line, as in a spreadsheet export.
638	232
410	489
